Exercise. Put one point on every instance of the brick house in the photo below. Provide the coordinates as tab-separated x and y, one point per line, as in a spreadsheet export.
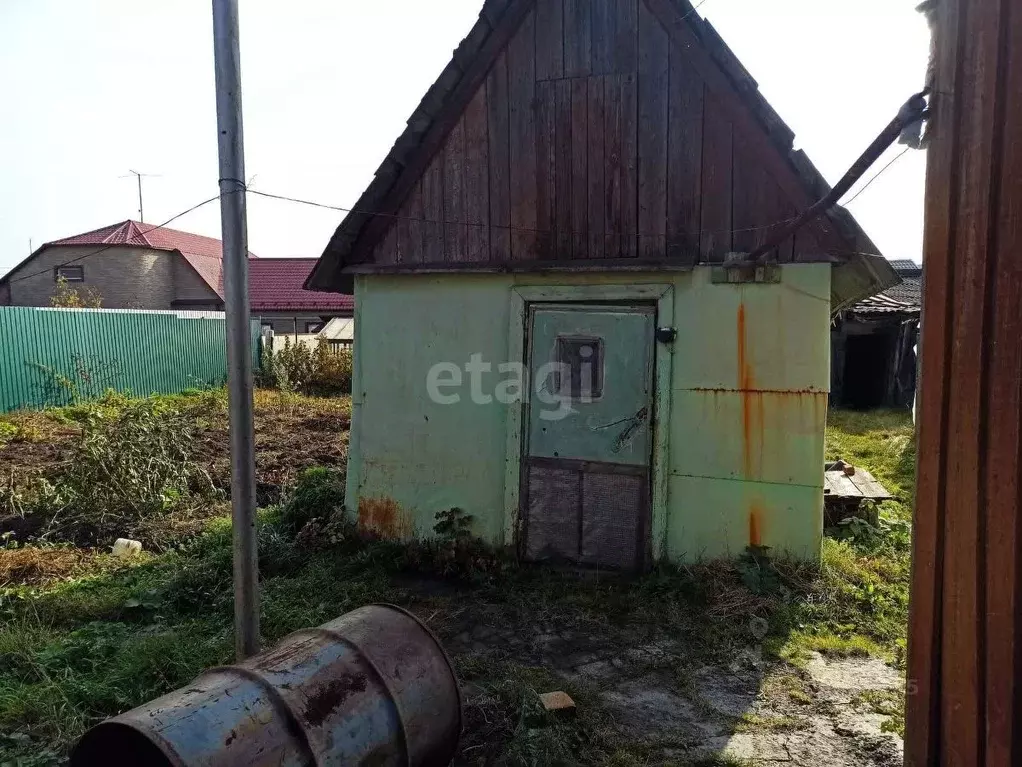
138	266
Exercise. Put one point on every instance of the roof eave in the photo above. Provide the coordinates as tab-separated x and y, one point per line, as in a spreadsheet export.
57	244
219	293
25	261
860	276
495	15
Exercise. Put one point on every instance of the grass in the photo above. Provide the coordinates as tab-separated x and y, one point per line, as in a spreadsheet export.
860	604
889	703
83	636
754	723
881	440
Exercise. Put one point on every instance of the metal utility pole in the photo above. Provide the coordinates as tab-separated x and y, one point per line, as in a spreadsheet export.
227	59
139	177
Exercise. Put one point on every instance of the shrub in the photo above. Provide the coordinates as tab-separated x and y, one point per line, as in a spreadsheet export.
108	406
319	494
332	369
323	370
68	296
8	431
130	464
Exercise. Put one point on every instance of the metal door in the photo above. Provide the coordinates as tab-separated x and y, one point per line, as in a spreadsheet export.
585	472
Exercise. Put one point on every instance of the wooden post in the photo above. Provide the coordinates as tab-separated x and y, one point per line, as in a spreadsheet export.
965	634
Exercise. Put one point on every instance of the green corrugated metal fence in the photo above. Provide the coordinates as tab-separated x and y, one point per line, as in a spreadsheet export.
48	356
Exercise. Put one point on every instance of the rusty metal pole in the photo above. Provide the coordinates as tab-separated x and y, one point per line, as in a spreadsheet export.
965	635
913	110
231	142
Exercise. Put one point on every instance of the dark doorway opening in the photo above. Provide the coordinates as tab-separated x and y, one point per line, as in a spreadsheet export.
867	358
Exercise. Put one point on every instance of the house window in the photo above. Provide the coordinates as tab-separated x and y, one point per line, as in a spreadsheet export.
581	367
313	327
69	273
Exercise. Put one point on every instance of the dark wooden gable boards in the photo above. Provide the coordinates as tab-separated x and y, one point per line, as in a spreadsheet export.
603	130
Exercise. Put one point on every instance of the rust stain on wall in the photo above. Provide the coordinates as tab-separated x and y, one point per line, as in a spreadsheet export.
756	519
752	404
383	517
744	373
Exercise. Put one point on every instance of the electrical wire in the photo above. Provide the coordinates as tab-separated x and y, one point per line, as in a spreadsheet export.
694	9
342	209
105	248
510	228
507	227
879	173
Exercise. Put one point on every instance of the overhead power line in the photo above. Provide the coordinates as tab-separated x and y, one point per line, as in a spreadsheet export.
504	227
512	228
105	248
879	173
694	9
443	222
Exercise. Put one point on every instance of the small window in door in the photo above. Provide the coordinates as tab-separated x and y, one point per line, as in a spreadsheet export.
581	367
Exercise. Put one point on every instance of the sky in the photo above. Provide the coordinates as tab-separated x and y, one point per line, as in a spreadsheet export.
91	89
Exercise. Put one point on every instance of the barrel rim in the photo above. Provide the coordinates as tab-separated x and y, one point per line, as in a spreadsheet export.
102	729
443	652
320	630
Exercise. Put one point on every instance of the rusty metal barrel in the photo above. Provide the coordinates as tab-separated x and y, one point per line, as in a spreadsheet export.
373	687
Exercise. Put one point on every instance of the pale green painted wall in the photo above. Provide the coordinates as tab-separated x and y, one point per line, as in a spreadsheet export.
425	456
747	418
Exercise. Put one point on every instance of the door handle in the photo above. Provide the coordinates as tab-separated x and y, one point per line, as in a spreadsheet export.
634	424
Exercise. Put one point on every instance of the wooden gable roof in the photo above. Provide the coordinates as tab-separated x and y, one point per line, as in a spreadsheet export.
600	134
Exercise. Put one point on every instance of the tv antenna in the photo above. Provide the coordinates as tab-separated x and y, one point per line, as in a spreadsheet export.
139	177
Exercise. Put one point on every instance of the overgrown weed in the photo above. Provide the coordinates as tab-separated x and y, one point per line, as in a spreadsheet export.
130	468
92	643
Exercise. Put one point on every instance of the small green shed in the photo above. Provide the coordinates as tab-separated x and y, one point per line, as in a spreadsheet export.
551	332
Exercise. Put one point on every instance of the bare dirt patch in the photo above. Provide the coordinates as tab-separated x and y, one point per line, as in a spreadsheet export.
39	445
291	435
288	441
656	691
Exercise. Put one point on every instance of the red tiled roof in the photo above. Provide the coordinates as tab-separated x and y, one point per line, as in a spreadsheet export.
148	235
203	253
275	284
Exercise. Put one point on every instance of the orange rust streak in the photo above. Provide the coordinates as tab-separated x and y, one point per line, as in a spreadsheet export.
383	517
755	524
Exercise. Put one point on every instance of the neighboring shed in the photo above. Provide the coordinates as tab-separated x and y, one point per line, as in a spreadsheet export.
340	331
546	336
873	355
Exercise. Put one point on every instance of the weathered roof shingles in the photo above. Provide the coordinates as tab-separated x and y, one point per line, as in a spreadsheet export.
905	297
